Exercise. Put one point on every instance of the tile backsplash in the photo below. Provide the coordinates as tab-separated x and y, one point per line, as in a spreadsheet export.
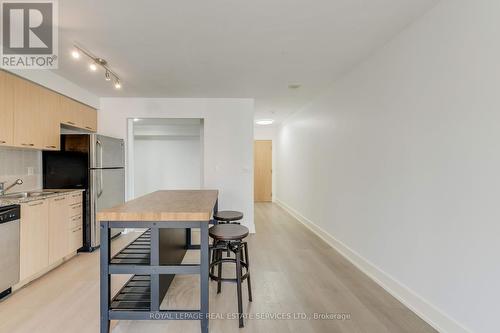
23	164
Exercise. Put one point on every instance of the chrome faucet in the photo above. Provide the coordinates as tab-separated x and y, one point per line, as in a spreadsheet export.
4	189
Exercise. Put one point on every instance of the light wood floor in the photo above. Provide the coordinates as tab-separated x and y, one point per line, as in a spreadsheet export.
293	271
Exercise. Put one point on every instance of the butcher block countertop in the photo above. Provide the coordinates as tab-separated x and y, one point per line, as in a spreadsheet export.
175	205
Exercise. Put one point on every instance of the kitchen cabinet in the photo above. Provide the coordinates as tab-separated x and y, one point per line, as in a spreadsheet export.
34	238
27	114
51	115
75	239
75	226
78	115
58	228
70	112
31	115
6	109
51	230
89	116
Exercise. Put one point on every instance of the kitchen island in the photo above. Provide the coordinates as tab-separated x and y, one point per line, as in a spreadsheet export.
156	256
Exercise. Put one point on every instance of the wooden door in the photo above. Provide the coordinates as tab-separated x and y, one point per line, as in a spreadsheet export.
51	119
89	118
70	112
6	109
263	168
34	240
27	118
58	228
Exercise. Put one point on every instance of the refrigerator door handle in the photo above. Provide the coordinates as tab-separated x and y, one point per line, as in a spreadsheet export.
101	187
98	146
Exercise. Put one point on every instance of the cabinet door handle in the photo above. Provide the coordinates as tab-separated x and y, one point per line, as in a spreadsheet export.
60	199
70	122
76	230
90	128
75	195
51	146
28	144
36	204
1	141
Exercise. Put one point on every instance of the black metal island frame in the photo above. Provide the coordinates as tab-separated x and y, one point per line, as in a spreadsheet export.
155	257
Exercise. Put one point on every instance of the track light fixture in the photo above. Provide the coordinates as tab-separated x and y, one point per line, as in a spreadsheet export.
75	54
95	63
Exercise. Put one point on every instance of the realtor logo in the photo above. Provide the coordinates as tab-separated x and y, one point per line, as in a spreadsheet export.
29	36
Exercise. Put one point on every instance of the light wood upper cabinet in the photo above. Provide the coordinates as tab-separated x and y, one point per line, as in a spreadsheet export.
27	114
70	114
58	228
6	109
89	118
31	115
51	119
34	238
79	115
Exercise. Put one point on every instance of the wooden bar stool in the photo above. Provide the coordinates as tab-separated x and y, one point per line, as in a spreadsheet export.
230	236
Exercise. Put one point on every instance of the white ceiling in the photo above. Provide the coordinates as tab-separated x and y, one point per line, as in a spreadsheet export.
228	48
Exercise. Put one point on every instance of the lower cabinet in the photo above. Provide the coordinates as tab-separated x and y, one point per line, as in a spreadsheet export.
34	237
75	239
58	230
74	225
51	229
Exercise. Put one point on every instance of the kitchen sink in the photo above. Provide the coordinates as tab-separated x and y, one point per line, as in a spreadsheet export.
22	195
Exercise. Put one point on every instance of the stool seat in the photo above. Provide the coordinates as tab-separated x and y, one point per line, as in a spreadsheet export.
227	232
228	215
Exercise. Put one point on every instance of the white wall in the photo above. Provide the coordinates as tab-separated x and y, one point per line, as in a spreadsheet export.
399	162
268	132
227	143
166	163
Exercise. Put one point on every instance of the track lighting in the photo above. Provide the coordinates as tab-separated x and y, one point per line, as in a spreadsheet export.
95	63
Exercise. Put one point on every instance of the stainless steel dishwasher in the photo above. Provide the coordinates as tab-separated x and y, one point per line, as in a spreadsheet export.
9	248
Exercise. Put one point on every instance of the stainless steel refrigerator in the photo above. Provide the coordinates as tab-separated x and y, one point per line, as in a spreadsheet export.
94	163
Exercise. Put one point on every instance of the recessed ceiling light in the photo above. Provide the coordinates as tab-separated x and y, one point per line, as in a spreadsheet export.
136	119
75	54
264	122
294	86
93	67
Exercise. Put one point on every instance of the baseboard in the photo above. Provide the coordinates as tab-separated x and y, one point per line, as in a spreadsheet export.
425	310
42	272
